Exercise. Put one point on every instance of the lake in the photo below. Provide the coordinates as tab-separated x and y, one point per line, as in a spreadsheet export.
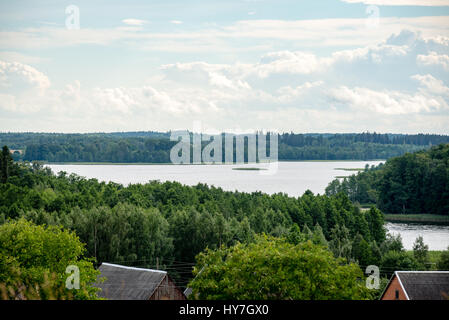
435	236
292	178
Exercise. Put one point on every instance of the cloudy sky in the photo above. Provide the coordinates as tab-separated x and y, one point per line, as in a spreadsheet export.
302	66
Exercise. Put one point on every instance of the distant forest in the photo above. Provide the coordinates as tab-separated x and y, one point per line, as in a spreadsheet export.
413	183
154	147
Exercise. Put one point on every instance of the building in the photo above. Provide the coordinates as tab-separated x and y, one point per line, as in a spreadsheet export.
417	285
129	283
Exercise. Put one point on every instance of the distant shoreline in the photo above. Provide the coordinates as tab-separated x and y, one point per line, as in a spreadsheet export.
196	164
418	218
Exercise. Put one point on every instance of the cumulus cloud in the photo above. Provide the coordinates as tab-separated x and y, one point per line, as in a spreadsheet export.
431	85
15	73
386	102
290	90
290	62
435	59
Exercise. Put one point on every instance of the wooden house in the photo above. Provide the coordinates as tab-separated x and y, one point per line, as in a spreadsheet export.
129	283
417	285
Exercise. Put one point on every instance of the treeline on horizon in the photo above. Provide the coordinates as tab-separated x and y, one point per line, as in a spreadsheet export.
154	147
413	183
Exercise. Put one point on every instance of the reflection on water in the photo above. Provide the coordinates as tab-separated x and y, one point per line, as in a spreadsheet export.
435	236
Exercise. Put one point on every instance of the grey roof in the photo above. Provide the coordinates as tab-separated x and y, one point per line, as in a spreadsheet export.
128	283
425	285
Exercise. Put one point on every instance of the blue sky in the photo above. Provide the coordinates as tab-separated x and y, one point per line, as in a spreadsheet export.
302	66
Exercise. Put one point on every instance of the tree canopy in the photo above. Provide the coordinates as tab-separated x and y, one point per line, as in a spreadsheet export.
155	147
413	183
272	268
35	259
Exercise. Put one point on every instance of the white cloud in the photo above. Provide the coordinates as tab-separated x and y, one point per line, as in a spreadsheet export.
395	58
290	62
434	58
257	33
134	22
7	102
11	56
21	76
372	87
385	102
431	85
289	94
176	21
402	2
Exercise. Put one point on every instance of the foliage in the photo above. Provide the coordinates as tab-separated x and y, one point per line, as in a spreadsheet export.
397	261
169	221
341	244
7	166
413	183
155	146
443	262
421	252
392	243
166	223
34	262
272	268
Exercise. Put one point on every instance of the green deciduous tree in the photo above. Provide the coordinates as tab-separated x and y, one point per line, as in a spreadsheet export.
421	252
340	243
361	251
443	262
34	262
376	223
397	261
273	268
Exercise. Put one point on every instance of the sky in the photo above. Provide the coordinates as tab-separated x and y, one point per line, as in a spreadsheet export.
235	65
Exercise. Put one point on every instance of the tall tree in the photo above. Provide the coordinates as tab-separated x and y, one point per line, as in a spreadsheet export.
421	251
6	164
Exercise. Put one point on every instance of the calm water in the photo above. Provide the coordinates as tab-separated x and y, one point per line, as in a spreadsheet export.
435	236
292	178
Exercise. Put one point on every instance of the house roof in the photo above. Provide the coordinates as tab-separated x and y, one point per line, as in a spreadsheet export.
128	283
424	285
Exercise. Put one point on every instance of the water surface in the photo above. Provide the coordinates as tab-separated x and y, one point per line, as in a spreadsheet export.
435	236
292	178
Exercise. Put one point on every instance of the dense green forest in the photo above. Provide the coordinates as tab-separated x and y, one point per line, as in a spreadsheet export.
169	224
154	147
413	183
